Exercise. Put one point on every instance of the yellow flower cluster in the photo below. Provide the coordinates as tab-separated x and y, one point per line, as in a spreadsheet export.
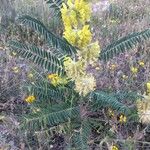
143	107
30	99
74	69
124	76
15	69
56	80
79	38
14	53
91	53
122	119
76	15
134	70
113	67
30	75
114	147
148	87
85	84
111	112
141	63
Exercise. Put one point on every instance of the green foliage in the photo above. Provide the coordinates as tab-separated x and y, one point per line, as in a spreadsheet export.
124	44
52	39
45	59
125	95
102	99
44	90
115	12
49	116
81	137
56	5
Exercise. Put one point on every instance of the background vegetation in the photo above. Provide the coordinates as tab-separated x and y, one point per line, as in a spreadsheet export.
60	118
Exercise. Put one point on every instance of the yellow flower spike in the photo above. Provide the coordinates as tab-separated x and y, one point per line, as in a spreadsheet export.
134	70
75	16
30	99
15	69
141	63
